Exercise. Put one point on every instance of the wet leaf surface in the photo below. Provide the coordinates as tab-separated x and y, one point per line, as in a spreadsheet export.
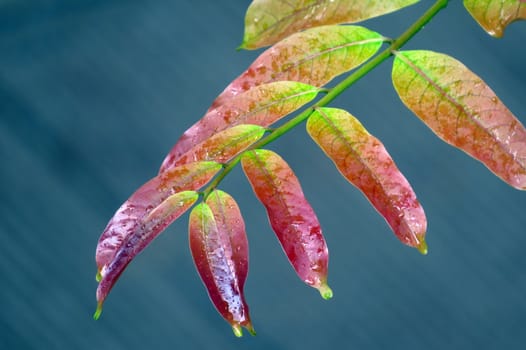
463	111
363	161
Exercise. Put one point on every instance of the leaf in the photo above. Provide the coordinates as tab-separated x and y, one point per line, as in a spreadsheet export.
313	57
220	251
148	197
261	105
139	238
364	162
495	15
268	21
290	215
220	147
462	110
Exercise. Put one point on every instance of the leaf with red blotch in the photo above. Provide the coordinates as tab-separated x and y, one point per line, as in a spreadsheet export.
463	111
142	235
363	160
220	147
262	105
219	248
314	57
495	15
129	217
268	21
290	215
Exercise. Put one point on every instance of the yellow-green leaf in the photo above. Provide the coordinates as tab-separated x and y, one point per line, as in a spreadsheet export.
220	147
269	21
314	57
495	15
462	110
363	160
262	105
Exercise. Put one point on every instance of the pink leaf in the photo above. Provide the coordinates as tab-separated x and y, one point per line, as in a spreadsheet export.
220	251
139	238
153	193
290	215
363	160
462	110
314	57
262	105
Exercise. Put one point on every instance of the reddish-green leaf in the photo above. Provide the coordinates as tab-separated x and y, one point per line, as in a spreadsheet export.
137	239
313	57
363	160
290	215
495	15
220	147
262	105
148	197
268	21
220	251
462	110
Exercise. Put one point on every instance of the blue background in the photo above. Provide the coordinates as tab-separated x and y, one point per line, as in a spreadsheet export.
93	94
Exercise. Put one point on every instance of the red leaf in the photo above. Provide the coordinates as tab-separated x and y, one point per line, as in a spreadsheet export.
143	234
290	215
262	105
220	251
363	160
153	193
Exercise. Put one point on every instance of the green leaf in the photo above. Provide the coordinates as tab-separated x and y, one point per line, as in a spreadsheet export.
363	161
269	21
462	110
495	15
222	146
290	215
262	105
313	57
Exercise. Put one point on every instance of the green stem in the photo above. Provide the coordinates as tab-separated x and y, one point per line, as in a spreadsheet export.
335	91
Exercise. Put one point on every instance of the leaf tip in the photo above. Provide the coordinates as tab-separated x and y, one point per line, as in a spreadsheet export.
245	45
98	276
250	329
238	331
325	291
422	247
97	313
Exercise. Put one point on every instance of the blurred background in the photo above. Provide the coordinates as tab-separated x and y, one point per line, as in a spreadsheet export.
94	93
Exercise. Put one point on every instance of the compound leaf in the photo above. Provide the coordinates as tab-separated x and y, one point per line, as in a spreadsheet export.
363	160
495	15
269	21
462	110
262	105
290	215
